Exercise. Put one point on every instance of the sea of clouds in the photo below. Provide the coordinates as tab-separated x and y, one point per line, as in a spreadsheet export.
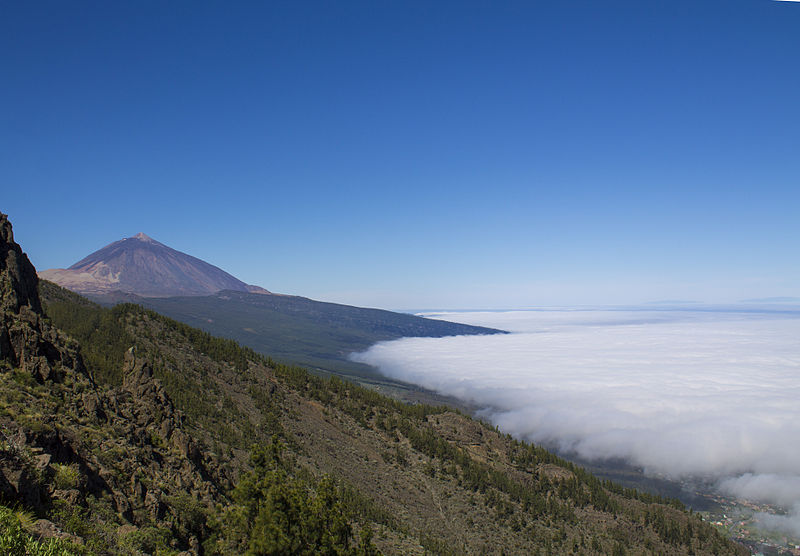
713	395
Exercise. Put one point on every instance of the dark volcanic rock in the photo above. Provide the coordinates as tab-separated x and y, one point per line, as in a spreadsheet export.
19	280
18	480
27	340
44	529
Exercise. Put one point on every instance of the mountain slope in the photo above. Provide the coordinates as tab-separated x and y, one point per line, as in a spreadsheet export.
291	329
139	443
301	331
145	267
422	478
82	455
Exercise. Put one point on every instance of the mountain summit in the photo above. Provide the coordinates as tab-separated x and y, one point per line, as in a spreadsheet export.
145	267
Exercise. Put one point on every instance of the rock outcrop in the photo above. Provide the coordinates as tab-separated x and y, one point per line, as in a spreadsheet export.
65	439
27	340
17	276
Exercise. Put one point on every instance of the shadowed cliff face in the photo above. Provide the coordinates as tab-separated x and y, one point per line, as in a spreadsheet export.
19	281
27	340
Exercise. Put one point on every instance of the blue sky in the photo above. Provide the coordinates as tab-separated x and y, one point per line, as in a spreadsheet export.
415	154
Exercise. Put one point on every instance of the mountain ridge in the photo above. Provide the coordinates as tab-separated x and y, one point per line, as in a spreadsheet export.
292	329
298	330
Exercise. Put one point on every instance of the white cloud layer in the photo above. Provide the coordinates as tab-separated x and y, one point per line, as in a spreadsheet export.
681	394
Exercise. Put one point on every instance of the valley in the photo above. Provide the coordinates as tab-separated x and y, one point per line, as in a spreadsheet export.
147	435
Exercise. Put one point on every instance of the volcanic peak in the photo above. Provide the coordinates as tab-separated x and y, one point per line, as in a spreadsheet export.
145	267
143	237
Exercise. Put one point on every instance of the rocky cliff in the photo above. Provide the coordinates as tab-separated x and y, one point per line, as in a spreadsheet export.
71	449
27	340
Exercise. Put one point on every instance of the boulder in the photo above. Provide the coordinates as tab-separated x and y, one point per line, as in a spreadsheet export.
44	529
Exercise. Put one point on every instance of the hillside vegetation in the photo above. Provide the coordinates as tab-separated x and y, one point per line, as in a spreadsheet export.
133	433
298	330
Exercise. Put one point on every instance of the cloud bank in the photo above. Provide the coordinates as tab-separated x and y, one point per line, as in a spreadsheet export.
682	394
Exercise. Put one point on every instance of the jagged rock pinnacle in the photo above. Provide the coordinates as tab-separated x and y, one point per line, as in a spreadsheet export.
18	280
27	340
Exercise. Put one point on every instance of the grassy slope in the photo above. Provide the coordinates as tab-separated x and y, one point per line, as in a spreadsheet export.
426	478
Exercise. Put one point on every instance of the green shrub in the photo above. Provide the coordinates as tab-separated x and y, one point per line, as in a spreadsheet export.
66	477
149	540
15	541
281	513
72	518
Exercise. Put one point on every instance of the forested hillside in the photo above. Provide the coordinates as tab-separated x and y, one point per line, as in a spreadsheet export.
125	432
298	330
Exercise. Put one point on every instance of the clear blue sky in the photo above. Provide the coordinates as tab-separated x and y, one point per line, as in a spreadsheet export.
415	154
